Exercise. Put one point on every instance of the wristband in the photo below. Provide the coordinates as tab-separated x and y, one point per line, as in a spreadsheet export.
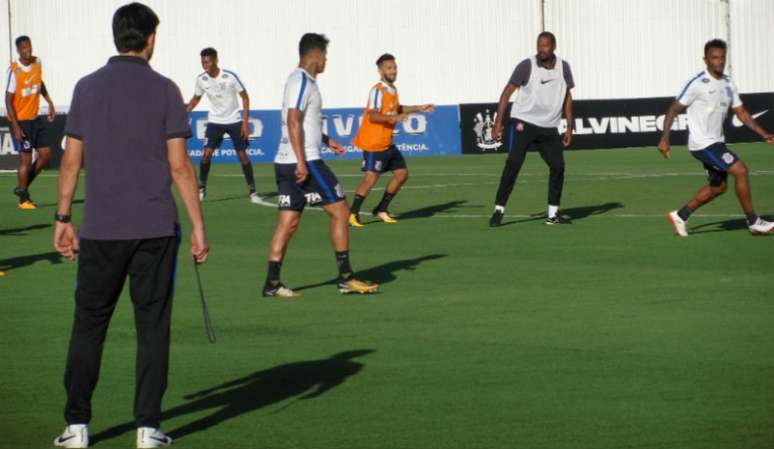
62	218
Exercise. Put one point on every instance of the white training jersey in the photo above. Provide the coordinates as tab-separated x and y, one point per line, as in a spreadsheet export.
708	100
539	101
223	93
301	93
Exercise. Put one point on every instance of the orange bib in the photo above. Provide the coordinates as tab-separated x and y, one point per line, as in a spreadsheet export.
377	136
26	99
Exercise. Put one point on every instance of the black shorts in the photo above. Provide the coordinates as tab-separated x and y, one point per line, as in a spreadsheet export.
215	132
382	161
716	158
36	135
321	187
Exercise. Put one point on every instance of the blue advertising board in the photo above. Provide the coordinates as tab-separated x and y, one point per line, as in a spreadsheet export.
436	134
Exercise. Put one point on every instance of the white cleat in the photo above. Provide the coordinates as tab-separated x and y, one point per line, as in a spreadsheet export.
76	435
761	227
255	198
148	437
678	224
202	193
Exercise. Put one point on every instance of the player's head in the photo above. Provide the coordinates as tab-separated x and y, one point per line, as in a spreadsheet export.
134	29
209	59
715	55
24	47
546	44
387	67
313	50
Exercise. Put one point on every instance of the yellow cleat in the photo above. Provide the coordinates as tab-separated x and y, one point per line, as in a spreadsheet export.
27	205
2	273
354	221
353	285
385	217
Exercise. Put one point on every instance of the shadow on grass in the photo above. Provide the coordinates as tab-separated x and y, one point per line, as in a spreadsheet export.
429	211
735	224
47	205
19	232
14	263
297	381
381	274
264	195
573	213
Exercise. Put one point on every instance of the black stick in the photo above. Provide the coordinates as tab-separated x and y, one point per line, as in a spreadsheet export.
207	321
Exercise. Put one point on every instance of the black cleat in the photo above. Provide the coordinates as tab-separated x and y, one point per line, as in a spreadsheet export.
557	219
497	218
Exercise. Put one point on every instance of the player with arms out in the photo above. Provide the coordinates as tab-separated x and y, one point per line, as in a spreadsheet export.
302	177
222	88
375	139
707	96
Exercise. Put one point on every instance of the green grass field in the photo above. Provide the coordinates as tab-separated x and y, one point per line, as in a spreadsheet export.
607	333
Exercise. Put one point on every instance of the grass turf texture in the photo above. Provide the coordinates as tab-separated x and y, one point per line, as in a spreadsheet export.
610	332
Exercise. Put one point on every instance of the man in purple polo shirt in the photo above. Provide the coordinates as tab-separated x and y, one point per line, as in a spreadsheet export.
129	125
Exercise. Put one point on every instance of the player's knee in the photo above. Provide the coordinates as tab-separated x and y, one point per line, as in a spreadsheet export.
739	169
719	189
207	156
401	176
243	156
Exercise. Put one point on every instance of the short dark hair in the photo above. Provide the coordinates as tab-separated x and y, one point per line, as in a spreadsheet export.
383	58
715	43
209	51
21	39
549	35
311	41
132	24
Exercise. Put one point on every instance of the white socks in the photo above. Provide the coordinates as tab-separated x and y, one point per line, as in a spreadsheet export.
500	209
552	210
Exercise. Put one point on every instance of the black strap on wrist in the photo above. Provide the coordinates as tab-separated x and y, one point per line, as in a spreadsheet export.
62	218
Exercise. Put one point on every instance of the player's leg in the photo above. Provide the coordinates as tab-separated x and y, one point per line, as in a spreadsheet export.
520	135
213	137
552	152
240	145
44	155
40	140
370	177
755	224
22	174
291	204
394	162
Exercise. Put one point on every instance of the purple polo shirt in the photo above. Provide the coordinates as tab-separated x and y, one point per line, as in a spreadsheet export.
124	113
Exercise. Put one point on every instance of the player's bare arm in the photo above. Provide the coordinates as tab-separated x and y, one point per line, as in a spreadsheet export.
428	108
674	110
65	240
51	109
333	145
505	96
11	113
192	103
745	117
296	135
567	138
377	117
245	113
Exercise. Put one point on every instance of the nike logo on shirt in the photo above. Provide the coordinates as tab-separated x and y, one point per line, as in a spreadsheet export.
545	81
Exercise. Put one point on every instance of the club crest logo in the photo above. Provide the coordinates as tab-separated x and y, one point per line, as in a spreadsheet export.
520	127
483	126
728	158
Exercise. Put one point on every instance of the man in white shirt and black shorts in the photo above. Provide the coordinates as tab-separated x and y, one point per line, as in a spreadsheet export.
302	176
222	88
708	96
544	82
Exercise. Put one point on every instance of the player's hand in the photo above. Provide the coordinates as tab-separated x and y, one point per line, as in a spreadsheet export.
51	112
336	147
301	172
16	131
429	108
567	138
497	131
663	148
245	131
65	242
200	249
769	138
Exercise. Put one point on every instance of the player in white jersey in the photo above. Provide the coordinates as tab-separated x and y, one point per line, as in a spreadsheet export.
302	177
708	96
543	83
222	88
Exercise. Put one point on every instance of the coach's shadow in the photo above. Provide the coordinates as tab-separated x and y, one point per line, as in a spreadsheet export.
381	274
14	263
735	224
429	211
47	205
573	213
299	381
19	232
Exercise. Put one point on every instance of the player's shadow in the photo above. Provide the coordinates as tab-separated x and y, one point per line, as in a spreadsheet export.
18	232
381	274
293	382
47	205
429	211
735	224
573	213
15	263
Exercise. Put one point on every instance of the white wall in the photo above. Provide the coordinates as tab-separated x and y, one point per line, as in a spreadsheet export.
5	58
449	51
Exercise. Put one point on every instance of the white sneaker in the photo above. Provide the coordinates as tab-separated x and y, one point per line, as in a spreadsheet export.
148	437
202	193
76	435
678	223
761	226
255	198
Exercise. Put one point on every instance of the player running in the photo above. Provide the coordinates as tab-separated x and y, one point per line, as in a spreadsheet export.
302	177
708	96
23	89
375	139
222	88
